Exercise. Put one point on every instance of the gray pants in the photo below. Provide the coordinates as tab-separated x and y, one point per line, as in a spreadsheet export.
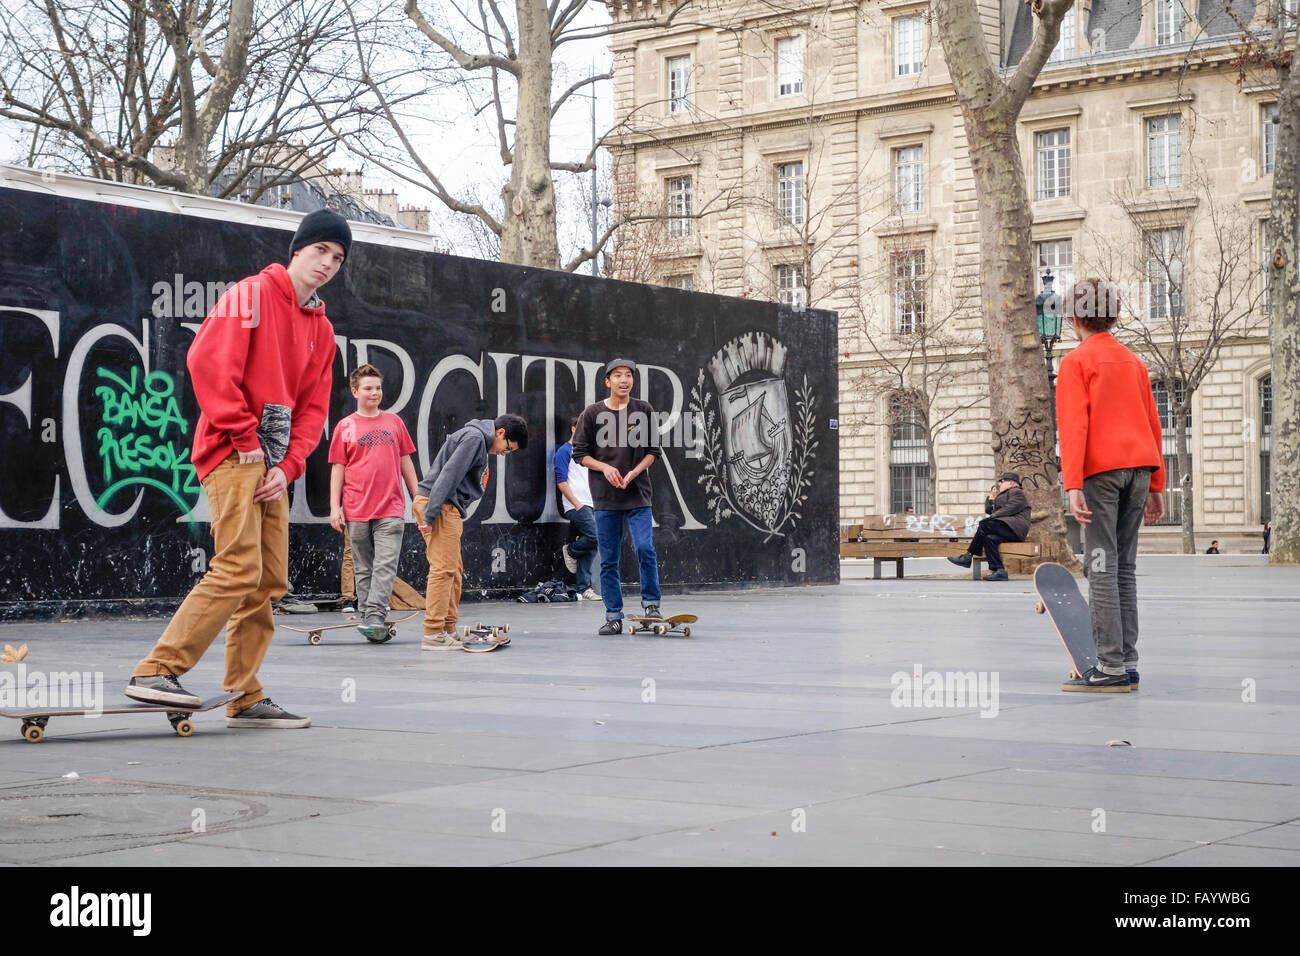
1117	500
376	546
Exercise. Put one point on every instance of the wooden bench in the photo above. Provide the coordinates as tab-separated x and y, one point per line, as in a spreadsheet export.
895	542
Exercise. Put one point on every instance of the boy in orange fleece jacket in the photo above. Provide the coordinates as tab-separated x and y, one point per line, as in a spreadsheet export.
261	367
1113	468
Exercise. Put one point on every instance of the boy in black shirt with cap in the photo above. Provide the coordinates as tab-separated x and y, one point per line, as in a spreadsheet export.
617	440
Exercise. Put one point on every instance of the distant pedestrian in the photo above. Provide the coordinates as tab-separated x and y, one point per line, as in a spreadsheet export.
1268	531
1213	548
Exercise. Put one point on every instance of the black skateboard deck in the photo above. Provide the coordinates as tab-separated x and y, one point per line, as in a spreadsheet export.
34	721
314	633
1059	597
482	638
663	625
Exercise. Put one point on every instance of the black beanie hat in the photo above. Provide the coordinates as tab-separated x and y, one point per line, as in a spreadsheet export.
323	225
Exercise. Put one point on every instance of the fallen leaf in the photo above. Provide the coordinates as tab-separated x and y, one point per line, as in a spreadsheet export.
1118	743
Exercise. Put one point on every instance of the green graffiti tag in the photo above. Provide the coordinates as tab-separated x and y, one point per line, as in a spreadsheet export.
133	440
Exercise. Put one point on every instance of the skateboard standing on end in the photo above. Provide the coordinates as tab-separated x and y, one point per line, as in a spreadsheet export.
663	625
314	633
482	638
34	721
1060	599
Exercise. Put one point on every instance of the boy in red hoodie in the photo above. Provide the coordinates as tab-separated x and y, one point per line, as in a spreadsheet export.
261	367
1113	468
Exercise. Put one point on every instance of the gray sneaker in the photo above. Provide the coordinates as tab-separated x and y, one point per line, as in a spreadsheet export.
589	595
162	689
440	642
270	715
570	561
290	605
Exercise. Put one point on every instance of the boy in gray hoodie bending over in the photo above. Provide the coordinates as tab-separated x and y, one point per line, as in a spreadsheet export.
456	479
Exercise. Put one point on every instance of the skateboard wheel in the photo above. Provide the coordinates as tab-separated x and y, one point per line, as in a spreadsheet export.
1039	609
505	628
392	633
660	630
313	637
183	728
34	734
686	632
478	625
464	631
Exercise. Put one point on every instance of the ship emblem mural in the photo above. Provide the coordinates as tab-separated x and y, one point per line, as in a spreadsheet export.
759	448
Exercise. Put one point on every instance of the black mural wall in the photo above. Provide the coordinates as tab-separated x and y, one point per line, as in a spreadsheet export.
99	504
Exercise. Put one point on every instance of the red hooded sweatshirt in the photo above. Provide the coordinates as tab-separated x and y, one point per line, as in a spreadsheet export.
261	367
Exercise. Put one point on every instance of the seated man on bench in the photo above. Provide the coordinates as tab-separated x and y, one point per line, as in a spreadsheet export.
1008	521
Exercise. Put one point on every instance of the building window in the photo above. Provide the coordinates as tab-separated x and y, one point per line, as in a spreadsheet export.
790	289
1058	256
907	45
1064	49
1164	269
909	459
1173	481
1170	18
1053	164
1287	16
909	291
789	194
909	180
1271	119
789	66
1165	150
685	281
1265	445
681	207
679	84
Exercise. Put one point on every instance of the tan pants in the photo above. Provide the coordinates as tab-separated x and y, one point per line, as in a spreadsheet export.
347	586
446	567
249	568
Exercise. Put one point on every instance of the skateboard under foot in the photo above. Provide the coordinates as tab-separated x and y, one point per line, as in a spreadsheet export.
34	721
314	633
482	638
663	625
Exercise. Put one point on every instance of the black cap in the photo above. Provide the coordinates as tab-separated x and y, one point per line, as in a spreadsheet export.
619	363
1010	476
323	225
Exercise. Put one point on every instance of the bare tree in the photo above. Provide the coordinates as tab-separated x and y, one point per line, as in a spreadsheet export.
1020	409
99	84
1178	319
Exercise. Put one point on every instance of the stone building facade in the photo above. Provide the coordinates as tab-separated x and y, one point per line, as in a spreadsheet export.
815	153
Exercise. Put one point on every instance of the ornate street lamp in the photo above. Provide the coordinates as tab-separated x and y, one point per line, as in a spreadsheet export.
1048	306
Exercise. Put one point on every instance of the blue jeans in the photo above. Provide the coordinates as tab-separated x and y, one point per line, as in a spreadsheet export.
609	533
584	548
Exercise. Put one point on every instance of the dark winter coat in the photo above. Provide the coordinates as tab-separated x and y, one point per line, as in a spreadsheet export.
1012	507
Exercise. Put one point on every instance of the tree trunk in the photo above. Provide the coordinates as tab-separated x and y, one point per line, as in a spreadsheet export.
1186	493
1020	409
1284	327
528	235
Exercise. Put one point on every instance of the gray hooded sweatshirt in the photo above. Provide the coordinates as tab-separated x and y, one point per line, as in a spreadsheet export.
458	475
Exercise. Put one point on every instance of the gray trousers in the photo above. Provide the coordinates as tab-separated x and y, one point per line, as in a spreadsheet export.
1117	500
376	546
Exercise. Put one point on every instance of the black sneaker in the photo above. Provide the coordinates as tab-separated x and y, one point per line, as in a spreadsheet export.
162	689
1132	680
270	715
1094	681
611	627
961	559
652	611
998	575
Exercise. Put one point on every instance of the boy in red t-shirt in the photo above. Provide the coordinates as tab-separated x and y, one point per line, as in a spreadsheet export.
1113	467
370	456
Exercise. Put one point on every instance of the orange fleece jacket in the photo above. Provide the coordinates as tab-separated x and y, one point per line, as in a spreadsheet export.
1106	414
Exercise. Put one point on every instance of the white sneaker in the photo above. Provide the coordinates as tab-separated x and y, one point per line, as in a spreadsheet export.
589	595
570	561
440	642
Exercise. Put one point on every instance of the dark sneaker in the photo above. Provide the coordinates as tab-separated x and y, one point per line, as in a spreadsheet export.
162	689
998	575
1096	682
1132	680
288	605
349	606
652	610
270	715
611	627
570	561
961	559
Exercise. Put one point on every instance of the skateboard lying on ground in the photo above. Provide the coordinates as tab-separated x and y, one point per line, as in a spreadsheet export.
1060	599
34	721
314	633
482	638
663	625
